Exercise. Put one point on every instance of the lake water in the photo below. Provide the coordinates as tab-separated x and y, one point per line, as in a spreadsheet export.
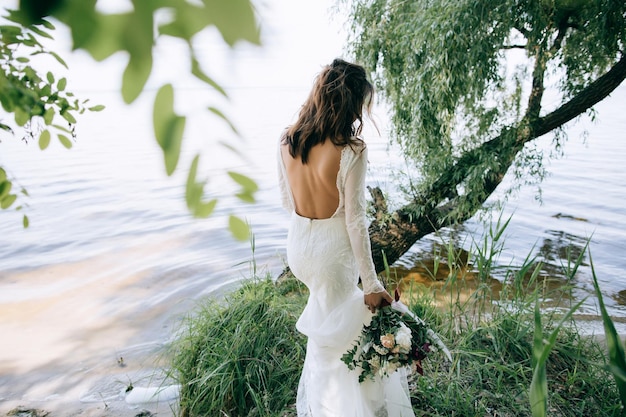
112	259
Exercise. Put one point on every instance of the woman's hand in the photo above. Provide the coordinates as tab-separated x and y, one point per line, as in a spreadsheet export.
375	299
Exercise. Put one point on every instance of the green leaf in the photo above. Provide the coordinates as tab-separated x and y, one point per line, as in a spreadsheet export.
617	351
246	197
65	141
538	391
98	107
204	209
62	84
135	77
40	32
47	24
7	201
194	193
21	117
22	59
62	128
50	77
46	91
48	116
10	30
248	185
3	175
194	190
189	20
69	117
222	116
168	127
239	228
235	19
246	182
5	188
25	221
58	58
198	73
44	139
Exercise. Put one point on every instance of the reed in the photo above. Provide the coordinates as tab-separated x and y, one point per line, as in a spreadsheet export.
617	357
512	356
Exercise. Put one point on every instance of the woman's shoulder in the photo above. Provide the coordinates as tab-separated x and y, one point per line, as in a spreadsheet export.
354	153
357	146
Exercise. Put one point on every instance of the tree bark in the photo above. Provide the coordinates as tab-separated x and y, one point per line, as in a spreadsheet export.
394	234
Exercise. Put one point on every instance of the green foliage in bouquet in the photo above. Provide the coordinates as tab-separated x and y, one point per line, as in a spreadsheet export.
392	340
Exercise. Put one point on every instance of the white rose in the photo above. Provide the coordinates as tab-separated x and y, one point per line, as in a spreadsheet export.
403	337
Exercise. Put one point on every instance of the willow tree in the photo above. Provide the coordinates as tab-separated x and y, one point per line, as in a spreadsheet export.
467	81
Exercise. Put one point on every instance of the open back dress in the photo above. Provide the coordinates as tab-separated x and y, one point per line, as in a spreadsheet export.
328	256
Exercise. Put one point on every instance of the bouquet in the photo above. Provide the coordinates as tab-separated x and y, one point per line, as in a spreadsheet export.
395	338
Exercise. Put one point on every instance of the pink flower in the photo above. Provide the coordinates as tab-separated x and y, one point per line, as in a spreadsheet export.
388	340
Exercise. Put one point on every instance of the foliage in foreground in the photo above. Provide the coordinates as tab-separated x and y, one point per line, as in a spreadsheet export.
31	94
243	358
40	105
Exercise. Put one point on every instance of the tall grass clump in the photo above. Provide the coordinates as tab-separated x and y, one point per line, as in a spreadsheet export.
512	355
242	356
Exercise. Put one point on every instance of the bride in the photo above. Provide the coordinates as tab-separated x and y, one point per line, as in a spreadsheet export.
322	167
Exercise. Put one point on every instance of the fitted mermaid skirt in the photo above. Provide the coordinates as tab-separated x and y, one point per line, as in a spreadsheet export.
320	255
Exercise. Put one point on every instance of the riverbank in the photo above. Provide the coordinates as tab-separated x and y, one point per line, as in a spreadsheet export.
108	398
490	375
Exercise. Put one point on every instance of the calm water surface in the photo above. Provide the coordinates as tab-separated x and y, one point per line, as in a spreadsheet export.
112	260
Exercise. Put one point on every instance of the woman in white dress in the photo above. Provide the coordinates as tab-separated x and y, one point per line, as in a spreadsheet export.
322	167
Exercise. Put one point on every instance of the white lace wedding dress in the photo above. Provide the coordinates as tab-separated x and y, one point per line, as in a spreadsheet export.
328	256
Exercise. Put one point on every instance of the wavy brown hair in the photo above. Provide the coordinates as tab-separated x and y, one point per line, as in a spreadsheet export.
333	110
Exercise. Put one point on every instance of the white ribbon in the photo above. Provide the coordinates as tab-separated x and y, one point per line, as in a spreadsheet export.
401	308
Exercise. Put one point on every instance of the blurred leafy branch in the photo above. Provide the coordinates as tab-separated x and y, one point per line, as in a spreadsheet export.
29	95
41	106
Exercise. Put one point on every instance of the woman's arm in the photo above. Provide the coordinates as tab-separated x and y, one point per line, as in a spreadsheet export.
356	223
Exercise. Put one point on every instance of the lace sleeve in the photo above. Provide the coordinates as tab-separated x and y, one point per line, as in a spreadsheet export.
283	183
356	223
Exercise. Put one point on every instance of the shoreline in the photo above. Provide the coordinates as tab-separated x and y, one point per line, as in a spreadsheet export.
117	408
97	402
137	402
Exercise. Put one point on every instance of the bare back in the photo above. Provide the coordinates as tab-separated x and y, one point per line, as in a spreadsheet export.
314	184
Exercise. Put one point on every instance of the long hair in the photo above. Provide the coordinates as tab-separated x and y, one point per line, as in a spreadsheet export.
333	110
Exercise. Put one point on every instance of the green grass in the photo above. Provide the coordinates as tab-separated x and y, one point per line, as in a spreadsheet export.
242	356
